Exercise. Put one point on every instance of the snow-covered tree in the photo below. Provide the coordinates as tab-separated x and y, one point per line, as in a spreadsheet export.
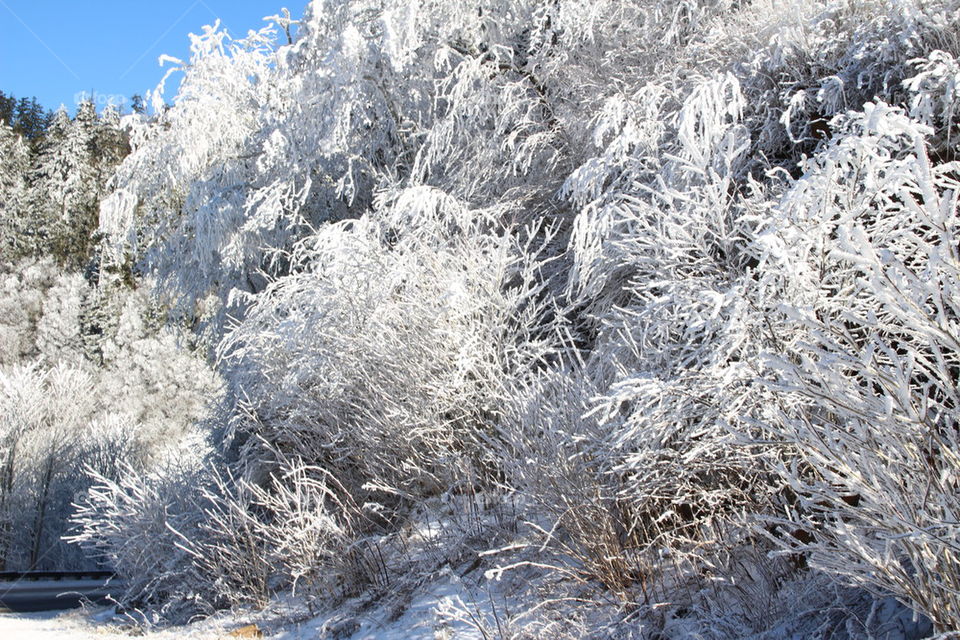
58	180
67	179
14	174
44	417
25	286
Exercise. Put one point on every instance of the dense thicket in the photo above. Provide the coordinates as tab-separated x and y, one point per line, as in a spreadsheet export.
677	278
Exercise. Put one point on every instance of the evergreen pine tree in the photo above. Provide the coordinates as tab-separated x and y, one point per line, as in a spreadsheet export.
14	169
30	119
8	106
64	191
49	190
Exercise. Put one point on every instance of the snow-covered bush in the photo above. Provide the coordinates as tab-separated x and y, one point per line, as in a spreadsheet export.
310	528
260	146
555	461
870	237
664	299
188	538
401	333
137	523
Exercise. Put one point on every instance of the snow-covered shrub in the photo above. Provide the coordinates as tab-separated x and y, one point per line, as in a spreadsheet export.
555	461
309	524
138	522
400	334
188	538
224	545
665	297
811	60
177	172
870	238
58	425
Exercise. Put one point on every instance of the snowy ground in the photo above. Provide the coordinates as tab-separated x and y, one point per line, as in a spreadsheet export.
445	607
456	599
92	625
45	625
451	607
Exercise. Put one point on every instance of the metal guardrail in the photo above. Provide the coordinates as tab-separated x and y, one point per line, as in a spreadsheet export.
53	590
32	576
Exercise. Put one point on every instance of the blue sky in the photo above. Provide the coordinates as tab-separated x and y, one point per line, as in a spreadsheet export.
55	49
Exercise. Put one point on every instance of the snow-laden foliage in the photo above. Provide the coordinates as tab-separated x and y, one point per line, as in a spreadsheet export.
142	519
51	190
49	317
192	539
30	289
678	278
403	333
486	102
49	437
871	238
74	401
14	170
